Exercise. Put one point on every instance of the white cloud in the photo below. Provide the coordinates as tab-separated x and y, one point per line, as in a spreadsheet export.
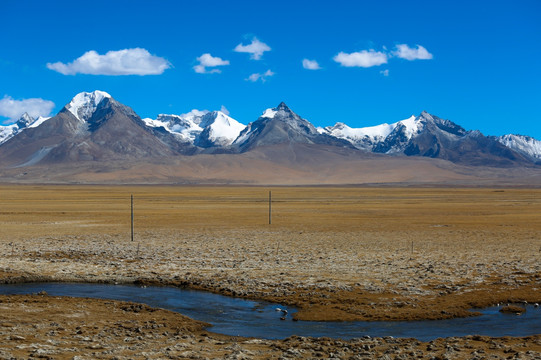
224	110
403	51
310	64
256	49
362	58
135	61
195	113
207	60
384	72
13	109
257	76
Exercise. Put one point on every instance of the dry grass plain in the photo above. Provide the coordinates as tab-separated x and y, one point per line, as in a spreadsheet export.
340	253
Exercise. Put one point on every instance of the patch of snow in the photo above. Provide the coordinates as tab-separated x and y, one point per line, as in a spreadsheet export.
84	104
186	125
525	145
222	128
7	132
412	125
269	113
40	120
244	135
367	137
25	122
154	123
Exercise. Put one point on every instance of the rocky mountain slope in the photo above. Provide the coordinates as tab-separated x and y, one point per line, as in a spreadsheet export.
430	136
25	121
201	128
92	127
525	145
280	125
95	134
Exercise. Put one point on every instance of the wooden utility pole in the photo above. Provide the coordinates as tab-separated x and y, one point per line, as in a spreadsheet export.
132	218
270	207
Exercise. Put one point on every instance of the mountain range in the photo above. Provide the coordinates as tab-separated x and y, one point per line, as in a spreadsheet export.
95	137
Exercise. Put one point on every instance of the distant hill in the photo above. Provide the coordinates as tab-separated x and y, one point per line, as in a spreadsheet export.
94	138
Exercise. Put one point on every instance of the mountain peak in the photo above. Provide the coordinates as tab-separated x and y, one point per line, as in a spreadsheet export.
24	120
282	106
83	105
282	110
426	115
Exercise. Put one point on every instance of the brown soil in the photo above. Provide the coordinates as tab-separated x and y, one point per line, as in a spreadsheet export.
513	309
335	253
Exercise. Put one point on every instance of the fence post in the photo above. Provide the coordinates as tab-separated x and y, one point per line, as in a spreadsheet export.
270	207
132	217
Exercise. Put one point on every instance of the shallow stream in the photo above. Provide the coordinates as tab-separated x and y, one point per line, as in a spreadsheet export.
232	316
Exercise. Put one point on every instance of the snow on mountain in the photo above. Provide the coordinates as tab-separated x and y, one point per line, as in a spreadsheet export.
200	127
522	144
25	121
269	113
412	126
219	129
282	114
40	120
424	135
280	125
7	132
84	104
401	136
185	125
367	138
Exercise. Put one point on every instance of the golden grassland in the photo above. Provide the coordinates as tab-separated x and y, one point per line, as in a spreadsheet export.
107	208
336	253
388	253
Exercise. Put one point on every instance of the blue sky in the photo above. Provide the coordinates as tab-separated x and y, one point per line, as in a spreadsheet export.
476	63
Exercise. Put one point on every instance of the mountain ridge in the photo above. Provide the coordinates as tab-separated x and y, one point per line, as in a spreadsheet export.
94	129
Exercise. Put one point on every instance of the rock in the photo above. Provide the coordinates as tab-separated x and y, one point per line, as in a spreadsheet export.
512	309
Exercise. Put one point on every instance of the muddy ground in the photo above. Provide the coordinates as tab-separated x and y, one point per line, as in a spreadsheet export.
335	253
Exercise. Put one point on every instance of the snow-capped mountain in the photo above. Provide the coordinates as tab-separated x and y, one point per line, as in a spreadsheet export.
280	125
93	126
84	104
202	128
525	145
25	121
7	132
429	136
368	137
391	138
186	126
219	129
422	135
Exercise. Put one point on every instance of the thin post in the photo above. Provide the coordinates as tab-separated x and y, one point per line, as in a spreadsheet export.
132	218
270	207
